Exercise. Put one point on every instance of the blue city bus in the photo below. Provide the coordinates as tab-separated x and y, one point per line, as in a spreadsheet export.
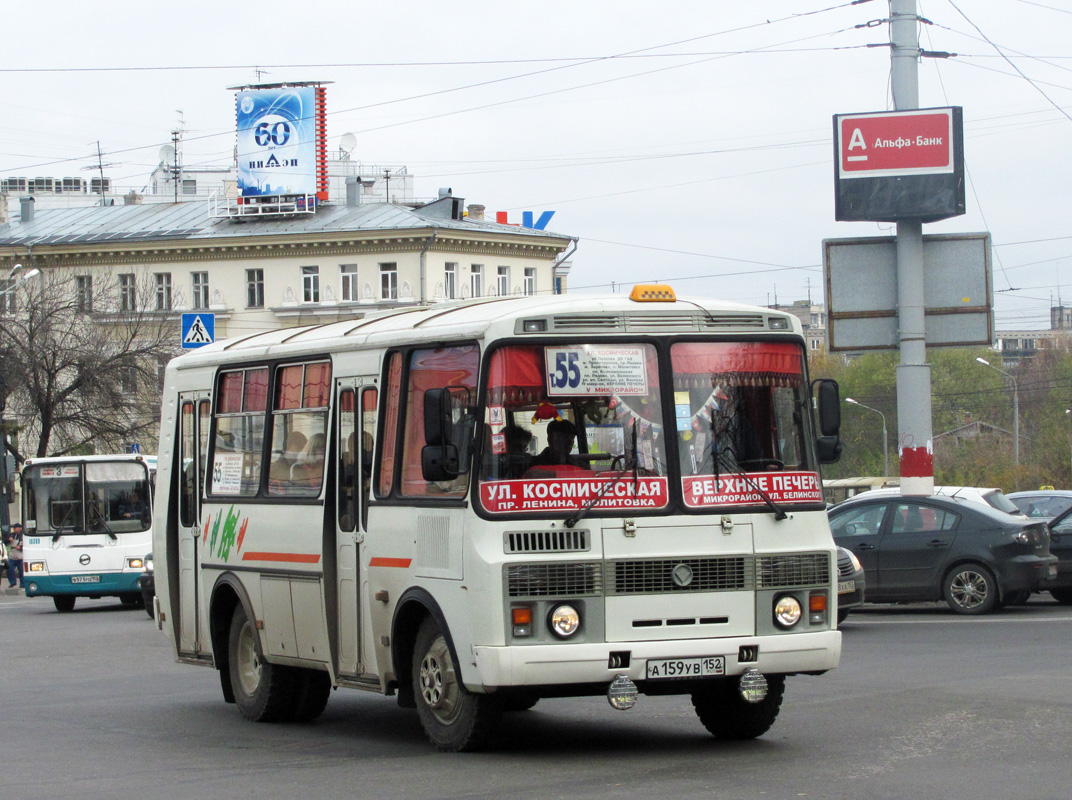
87	526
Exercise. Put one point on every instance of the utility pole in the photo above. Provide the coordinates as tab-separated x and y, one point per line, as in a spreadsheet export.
914	444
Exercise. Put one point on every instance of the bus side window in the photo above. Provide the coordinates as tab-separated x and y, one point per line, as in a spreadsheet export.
347	461
187	465
369	400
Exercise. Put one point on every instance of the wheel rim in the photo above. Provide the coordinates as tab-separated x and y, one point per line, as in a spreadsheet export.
969	589
439	682
247	660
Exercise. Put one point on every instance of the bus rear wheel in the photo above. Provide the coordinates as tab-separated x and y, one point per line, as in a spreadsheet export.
453	719
64	602
263	692
312	688
727	715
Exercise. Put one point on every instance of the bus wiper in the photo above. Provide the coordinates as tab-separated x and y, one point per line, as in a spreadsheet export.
779	514
580	514
99	519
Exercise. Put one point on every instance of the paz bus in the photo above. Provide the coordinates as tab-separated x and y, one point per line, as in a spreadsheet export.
475	505
87	524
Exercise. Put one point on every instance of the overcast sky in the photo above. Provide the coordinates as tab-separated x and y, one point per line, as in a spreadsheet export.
685	141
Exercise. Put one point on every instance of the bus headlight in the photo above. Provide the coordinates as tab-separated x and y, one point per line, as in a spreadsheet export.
35	566
787	611
564	622
135	563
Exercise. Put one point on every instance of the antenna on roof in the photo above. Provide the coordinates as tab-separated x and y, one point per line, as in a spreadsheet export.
100	168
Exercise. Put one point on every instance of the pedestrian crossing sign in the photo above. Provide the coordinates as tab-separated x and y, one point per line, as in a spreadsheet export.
198	330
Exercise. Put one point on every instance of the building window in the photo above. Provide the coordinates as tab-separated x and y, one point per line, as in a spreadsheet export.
163	291
7	296
254	288
311	284
559	286
200	281
450	280
504	281
476	279
348	290
189	186
388	281
126	292
128	380
530	281
83	293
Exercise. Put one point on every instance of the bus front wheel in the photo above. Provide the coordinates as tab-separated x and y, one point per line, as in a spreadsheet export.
64	602
453	719
727	715
263	692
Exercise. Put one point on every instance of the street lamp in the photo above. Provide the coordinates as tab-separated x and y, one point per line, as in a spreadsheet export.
1015	415
24	276
885	454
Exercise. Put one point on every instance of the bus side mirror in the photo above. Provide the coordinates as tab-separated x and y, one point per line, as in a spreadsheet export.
439	456
828	446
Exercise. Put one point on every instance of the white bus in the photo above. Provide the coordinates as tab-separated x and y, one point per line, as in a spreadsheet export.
87	526
395	504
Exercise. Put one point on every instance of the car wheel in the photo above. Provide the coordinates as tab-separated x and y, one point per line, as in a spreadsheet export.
727	715
262	691
1062	596
64	602
130	599
971	589
453	718
311	692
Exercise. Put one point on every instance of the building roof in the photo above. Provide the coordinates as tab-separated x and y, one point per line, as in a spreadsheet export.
194	221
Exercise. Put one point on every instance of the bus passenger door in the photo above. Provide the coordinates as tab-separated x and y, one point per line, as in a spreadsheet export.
194	419
356	428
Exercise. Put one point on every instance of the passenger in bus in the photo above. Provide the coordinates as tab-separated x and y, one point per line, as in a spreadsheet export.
309	470
517	459
134	507
279	472
557	457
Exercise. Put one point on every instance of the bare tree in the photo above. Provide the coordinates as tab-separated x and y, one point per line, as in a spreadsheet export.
82	357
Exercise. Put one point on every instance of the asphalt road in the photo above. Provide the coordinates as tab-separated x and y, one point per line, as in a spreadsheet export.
925	705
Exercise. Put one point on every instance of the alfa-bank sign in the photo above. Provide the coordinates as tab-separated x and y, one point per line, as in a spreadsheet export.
899	164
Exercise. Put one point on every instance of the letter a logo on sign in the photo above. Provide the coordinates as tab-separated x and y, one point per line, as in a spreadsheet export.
857	140
198	330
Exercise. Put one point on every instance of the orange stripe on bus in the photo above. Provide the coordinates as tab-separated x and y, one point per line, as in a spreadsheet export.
293	558
390	562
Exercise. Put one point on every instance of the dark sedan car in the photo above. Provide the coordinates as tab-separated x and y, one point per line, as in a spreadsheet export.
1046	503
1061	546
919	549
147	582
850	586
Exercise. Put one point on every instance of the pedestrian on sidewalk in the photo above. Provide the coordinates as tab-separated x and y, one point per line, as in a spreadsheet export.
14	556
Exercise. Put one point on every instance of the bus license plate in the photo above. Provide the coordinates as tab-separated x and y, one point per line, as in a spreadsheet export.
85	579
702	667
844	587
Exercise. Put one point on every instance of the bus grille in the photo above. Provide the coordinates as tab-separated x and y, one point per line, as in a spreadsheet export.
564	541
562	579
789	570
657	576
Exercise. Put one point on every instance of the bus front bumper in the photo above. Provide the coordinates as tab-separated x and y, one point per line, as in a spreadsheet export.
546	665
93	585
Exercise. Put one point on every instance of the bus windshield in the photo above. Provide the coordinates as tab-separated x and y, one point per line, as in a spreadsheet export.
572	427
88	497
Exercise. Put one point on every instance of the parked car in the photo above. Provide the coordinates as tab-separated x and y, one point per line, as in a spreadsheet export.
850	586
1047	503
919	549
1061	547
990	496
147	583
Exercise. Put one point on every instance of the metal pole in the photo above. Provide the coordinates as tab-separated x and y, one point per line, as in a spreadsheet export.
914	444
